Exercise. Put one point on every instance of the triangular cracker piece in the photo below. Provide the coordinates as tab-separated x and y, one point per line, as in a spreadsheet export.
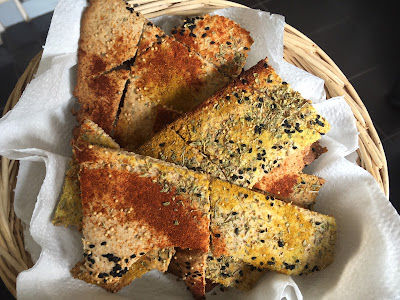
269	234
110	32
219	40
69	208
171	209
242	127
165	74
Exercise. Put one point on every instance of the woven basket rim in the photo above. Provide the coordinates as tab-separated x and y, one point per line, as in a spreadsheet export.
299	50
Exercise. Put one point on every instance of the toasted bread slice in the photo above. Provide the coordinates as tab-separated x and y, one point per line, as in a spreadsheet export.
242	126
69	208
219	40
269	234
99	97
165	74
110	32
170	210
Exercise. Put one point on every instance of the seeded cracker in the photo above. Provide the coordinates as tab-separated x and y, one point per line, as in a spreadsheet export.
219	40
251	117
165	74
170	210
271	234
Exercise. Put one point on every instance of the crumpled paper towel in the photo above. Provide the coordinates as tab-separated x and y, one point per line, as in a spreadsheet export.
38	130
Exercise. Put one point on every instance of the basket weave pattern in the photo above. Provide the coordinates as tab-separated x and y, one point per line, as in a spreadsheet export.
299	50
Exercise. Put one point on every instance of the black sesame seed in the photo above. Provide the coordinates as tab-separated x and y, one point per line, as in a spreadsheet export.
284	82
244	81
317	223
223	267
250	150
254	257
281	244
204	35
217	235
227	97
262	241
103	243
246	48
207	28
316	268
270	263
228	43
265	65
142	253
246	195
231	142
102	275
91	246
162	144
212	42
234	213
290	267
236	231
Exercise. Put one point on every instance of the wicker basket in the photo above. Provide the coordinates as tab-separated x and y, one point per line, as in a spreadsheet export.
299	50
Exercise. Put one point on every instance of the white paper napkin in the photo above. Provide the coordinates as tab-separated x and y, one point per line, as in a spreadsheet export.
38	130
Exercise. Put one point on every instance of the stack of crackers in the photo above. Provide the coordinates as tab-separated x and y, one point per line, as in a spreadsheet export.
185	163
